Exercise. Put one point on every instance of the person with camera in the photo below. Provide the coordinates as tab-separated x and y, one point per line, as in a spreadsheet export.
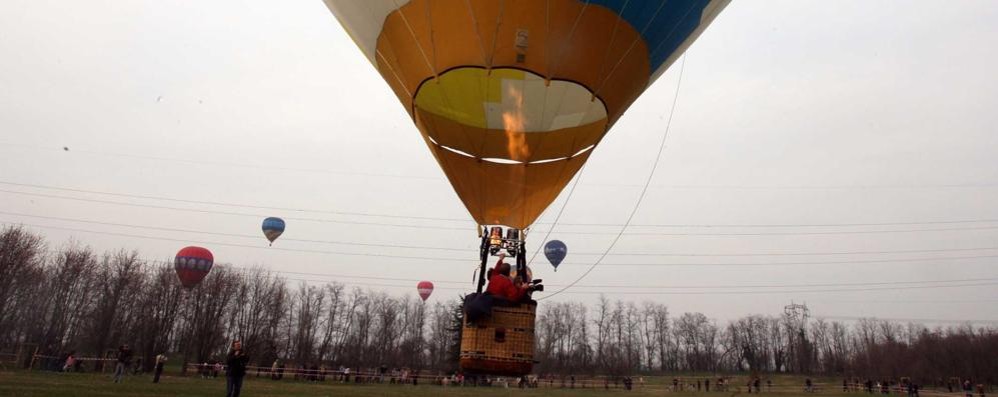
502	286
158	370
236	362
124	360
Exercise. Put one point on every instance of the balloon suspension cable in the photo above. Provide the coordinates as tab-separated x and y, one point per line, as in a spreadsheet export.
544	240
521	262
644	190
484	256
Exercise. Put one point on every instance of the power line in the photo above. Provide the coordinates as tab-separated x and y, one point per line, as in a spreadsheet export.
715	286
397	216
805	285
610	286
614	288
964	283
803	291
741	292
268	167
908	301
853	224
755	264
571	263
252	270
215	243
201	211
794	233
914	251
270	270
255	237
913	320
814	187
218	203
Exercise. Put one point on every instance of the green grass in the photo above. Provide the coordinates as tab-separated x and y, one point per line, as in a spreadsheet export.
44	384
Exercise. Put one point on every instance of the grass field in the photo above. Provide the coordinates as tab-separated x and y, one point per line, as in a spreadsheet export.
45	384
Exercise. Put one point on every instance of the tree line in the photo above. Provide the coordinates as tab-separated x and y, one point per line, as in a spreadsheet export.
76	299
617	338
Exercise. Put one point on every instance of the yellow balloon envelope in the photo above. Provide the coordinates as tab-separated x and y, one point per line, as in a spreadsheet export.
511	96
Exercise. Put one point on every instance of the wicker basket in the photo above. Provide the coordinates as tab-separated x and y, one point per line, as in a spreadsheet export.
502	344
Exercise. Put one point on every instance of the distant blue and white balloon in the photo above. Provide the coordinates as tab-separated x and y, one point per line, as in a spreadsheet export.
272	228
555	251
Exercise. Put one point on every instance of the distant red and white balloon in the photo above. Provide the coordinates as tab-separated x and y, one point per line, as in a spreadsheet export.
425	288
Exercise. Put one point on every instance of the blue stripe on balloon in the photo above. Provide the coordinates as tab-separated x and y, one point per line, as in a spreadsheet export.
273	224
672	24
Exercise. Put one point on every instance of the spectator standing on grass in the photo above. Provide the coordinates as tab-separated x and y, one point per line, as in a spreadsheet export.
216	369
236	361
70	362
124	359
160	362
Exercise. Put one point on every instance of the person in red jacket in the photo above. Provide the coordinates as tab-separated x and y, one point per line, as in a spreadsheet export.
501	285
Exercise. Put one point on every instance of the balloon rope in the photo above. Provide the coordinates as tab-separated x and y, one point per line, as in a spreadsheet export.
571	190
644	190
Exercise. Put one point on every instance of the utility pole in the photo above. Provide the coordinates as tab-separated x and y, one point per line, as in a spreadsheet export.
796	316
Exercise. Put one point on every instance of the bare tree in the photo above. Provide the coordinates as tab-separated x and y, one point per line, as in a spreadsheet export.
119	279
76	299
21	256
158	309
205	309
309	304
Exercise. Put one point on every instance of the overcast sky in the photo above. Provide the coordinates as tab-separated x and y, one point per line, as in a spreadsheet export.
799	122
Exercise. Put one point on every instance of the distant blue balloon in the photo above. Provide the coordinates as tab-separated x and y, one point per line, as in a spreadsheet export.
555	251
272	228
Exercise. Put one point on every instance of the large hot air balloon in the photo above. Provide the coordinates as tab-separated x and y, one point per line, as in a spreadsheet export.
511	96
555	251
192	265
425	288
272	228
